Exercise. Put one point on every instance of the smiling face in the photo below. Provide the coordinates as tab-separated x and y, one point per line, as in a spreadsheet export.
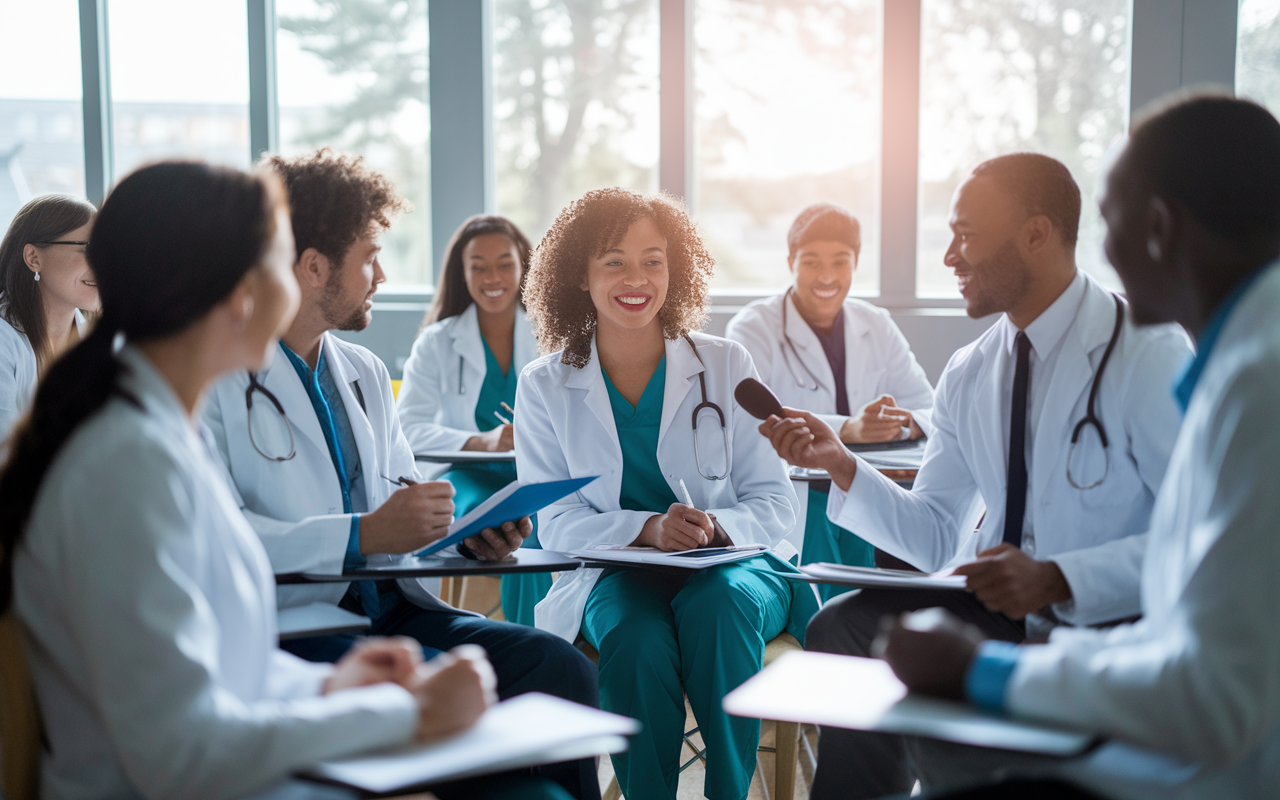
985	225
823	273
347	300
65	278
492	270
628	284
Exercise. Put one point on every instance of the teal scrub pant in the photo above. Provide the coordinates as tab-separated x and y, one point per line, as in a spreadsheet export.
826	541
473	485
657	632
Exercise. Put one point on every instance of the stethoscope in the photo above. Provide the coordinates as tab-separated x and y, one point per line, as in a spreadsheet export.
705	405
256	386
1090	416
786	340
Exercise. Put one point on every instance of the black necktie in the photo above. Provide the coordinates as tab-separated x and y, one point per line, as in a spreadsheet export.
1015	501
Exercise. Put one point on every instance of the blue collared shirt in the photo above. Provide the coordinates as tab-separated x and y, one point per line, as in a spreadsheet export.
331	412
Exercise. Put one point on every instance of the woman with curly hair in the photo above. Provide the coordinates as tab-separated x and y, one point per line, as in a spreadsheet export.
460	380
617	288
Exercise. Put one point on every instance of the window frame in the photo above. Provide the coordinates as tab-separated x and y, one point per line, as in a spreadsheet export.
1167	51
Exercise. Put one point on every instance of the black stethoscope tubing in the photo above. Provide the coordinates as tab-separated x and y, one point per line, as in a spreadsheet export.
1091	417
786	339
706	404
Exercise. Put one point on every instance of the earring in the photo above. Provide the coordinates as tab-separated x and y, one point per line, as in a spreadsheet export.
37	276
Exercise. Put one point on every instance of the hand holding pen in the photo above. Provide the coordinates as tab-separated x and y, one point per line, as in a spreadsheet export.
683	527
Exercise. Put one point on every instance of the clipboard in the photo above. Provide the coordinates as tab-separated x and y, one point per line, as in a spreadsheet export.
513	501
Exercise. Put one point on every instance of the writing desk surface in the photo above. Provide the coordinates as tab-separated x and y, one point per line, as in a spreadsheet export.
522	560
466	457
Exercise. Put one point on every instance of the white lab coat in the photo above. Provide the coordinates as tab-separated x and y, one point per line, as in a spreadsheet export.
18	372
443	376
878	360
564	428
1199	676
296	505
149	618
1095	536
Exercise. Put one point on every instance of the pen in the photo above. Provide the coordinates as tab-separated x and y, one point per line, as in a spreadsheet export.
401	481
688	500
501	418
509	409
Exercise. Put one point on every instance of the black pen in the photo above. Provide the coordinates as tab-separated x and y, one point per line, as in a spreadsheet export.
401	481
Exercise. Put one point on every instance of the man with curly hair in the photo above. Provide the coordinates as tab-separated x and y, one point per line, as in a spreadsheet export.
312	445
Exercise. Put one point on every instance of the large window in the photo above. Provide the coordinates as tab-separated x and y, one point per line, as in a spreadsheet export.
352	75
1258	52
179	81
41	139
1000	76
788	114
575	102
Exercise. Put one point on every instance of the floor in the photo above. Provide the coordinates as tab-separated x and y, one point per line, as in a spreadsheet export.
482	595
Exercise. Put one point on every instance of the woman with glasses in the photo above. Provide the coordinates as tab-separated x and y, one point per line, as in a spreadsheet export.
45	284
459	384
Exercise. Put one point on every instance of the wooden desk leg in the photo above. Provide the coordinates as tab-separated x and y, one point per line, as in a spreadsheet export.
786	751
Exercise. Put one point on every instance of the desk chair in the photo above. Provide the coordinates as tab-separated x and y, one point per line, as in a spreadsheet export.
786	734
19	719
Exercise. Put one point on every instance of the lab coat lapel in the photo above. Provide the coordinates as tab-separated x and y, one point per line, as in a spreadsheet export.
855	352
281	379
682	377
810	350
465	334
590	379
345	375
989	436
1070	379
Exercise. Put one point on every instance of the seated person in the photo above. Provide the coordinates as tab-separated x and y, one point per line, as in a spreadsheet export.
146	600
460	380
1063	532
1198	678
618	285
842	358
316	477
44	283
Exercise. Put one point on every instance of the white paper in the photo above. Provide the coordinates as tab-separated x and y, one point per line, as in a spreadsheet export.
685	559
317	618
530	729
466	457
864	694
871	577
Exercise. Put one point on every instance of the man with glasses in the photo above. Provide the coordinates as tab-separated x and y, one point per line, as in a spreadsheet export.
315	453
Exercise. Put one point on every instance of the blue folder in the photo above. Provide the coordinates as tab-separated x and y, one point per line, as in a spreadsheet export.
511	502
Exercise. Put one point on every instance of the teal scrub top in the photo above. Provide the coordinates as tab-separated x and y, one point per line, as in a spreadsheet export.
475	483
644	487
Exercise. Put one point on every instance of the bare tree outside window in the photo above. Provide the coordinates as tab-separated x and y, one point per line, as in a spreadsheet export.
1258	53
1000	76
353	76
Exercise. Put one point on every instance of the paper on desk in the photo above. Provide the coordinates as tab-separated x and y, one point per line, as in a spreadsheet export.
466	457
872	577
699	558
315	619
523	731
864	694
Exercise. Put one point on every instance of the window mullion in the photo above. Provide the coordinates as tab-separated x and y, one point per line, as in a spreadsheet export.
96	77
900	151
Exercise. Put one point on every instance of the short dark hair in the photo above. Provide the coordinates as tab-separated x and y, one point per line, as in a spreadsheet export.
1042	186
824	222
334	201
1216	155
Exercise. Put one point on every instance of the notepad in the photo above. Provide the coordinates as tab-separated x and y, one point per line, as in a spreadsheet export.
511	502
700	558
521	732
864	694
872	577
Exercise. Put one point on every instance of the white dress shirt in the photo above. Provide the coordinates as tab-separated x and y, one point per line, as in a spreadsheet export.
1096	536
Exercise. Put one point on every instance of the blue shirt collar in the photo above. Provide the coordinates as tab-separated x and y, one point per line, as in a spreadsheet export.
1185	384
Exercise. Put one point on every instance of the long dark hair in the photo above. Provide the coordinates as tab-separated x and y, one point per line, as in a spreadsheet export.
172	241
44	219
452	297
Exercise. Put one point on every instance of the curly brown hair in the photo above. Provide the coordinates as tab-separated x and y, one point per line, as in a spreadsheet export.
563	315
334	201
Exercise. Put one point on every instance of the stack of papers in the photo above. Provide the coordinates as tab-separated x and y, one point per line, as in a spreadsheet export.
520	732
701	558
864	694
871	577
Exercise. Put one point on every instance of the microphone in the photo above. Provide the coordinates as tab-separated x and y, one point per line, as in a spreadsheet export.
756	398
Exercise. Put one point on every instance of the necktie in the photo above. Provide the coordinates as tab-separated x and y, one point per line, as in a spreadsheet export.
1015	501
